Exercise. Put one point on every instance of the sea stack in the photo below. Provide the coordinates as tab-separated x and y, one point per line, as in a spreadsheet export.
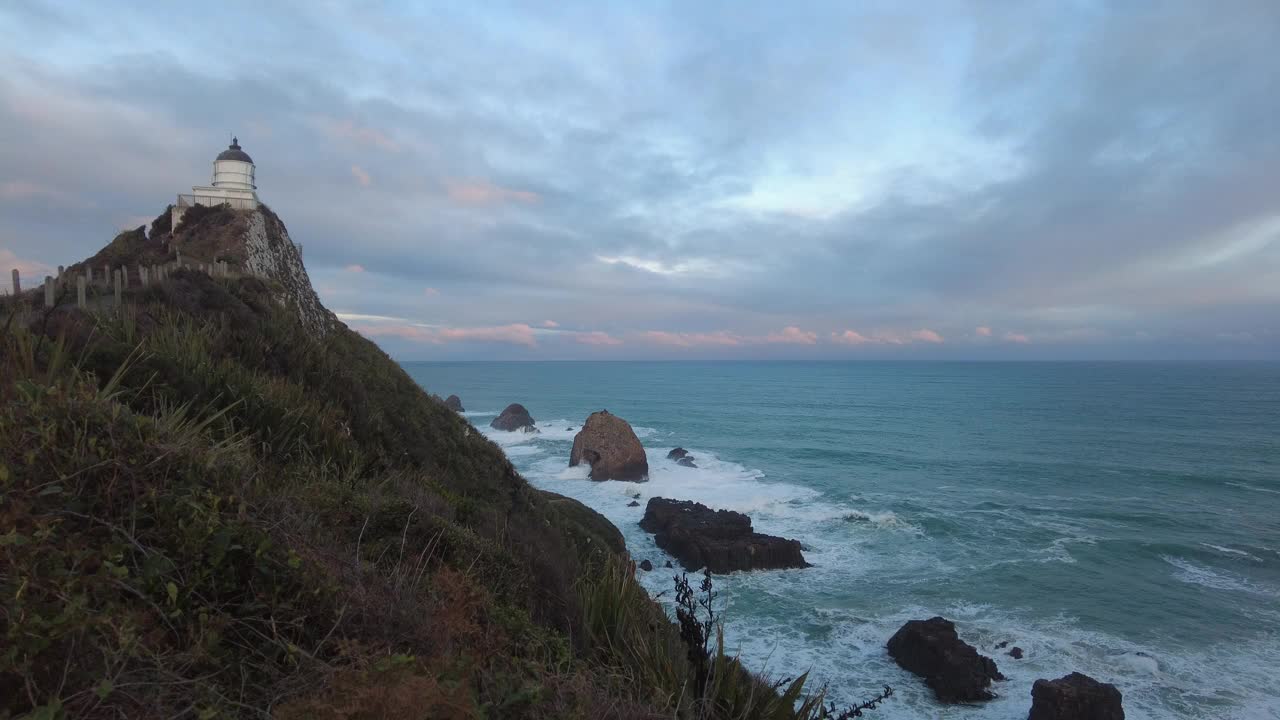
607	443
951	667
1075	697
514	417
454	403
720	540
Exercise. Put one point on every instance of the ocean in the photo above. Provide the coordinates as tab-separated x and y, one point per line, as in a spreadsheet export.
1120	520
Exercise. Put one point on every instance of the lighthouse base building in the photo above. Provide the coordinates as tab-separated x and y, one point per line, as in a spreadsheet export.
233	184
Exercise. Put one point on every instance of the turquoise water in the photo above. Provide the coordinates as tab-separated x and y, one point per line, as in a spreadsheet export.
1121	520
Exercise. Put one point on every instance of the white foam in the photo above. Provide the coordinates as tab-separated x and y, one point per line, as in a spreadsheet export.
1231	551
1190	572
1254	488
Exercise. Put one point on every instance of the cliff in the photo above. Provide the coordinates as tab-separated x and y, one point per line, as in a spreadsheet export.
219	501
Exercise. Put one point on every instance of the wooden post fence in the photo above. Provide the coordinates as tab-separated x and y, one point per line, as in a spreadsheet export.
17	283
119	285
48	291
81	281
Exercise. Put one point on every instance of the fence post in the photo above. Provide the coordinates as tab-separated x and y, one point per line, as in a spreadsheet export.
17	283
61	269
80	283
48	291
119	284
124	276
106	276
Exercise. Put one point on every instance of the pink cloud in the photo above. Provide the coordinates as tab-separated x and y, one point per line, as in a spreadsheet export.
354	268
361	176
717	338
596	338
550	324
853	337
926	335
430	292
30	271
792	335
982	331
347	130
514	334
1018	338
481	192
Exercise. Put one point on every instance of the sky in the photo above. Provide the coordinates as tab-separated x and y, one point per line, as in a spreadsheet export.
710	180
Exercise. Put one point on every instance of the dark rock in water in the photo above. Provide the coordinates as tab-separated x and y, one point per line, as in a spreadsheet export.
1075	697
530	430
1002	644
677	454
669	564
609	445
721	540
454	403
646	565
633	503
514	417
568	429
950	666
686	461
1016	653
636	496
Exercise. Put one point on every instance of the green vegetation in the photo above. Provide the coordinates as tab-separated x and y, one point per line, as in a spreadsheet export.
205	512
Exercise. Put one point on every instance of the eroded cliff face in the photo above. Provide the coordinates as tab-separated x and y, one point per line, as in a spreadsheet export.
269	251
255	241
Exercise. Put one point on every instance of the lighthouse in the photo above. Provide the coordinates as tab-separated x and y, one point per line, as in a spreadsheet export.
233	184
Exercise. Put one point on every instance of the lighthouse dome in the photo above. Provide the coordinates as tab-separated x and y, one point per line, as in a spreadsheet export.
235	153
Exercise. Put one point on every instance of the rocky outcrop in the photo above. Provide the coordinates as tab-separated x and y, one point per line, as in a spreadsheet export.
608	444
677	454
514	417
646	566
950	666
270	253
1075	697
720	540
454	403
686	461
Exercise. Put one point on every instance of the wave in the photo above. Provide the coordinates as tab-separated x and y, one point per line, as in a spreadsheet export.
1195	574
1254	488
1232	551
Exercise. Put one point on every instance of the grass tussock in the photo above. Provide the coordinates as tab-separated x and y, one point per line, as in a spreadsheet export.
205	512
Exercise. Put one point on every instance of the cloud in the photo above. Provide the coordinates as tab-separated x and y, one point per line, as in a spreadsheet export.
514	334
550	324
349	131
851	337
1089	178
1015	337
30	271
887	337
792	335
361	176
482	193
596	338
982	331
719	338
430	292
354	268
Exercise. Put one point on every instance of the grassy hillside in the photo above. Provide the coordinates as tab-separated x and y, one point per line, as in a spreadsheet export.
206	511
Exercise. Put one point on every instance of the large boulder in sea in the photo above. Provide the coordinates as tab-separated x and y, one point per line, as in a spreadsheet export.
454	403
1075	697
720	540
950	666
608	444
514	417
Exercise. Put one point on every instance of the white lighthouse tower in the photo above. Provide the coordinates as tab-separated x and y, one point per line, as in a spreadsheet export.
233	184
